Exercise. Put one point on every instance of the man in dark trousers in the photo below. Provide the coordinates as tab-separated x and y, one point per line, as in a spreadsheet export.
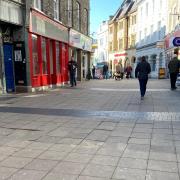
72	66
141	72
105	71
174	66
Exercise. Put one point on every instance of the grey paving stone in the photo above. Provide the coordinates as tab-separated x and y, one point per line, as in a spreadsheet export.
55	176
15	162
129	174
62	147
18	143
28	174
6	172
41	165
163	156
53	155
132	163
29	153
158	175
86	149
105	160
98	171
162	166
80	158
39	145
69	168
98	135
90	178
138	141
70	141
116	139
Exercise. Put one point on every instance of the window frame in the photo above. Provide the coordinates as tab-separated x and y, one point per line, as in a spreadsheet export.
56	8
38	4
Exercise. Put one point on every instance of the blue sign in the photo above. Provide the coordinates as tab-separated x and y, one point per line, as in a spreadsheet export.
176	41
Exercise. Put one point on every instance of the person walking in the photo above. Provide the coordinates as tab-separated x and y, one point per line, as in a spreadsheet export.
72	66
128	71
174	66
105	71
93	71
141	72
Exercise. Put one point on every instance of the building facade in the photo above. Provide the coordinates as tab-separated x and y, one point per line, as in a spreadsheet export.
122	35
12	45
173	29
151	27
41	36
102	40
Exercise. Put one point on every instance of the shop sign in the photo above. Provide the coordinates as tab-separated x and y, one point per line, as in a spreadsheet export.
120	55
160	44
44	26
162	73
176	41
80	41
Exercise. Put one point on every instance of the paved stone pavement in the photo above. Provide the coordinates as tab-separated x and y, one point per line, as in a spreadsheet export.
100	130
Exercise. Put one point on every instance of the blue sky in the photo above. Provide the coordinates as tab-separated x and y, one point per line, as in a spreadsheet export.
101	10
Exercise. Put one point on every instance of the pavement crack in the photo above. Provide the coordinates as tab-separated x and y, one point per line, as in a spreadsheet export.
23	129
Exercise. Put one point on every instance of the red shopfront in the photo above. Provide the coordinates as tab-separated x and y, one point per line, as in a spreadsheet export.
48	47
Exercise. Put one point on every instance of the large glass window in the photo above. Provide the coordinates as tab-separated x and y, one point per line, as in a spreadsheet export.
44	57
38	4
51	57
35	60
56	9
58	66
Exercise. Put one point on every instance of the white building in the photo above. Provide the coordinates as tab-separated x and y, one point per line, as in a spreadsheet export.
151	27
102	40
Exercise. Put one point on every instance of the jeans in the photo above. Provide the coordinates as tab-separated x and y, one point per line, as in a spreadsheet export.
142	84
73	79
105	75
173	78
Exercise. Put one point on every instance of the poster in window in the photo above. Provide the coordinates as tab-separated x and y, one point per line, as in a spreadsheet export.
18	55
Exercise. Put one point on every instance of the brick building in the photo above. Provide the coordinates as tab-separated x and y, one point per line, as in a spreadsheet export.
52	31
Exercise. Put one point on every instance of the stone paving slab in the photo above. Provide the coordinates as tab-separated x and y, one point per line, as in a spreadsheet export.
85	134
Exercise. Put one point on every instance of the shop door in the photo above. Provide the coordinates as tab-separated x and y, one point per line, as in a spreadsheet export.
20	64
9	70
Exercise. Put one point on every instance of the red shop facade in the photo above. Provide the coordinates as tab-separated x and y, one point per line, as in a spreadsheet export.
48	51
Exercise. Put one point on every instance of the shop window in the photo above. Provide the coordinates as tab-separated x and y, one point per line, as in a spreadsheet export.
35	61
44	57
51	57
58	66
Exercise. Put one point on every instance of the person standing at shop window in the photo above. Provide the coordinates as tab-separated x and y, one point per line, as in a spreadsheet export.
72	66
174	66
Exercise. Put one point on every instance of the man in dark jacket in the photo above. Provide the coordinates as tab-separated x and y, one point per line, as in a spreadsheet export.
174	66
72	66
141	72
105	71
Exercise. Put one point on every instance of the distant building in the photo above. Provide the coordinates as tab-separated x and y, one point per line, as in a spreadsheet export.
122	35
151	27
102	40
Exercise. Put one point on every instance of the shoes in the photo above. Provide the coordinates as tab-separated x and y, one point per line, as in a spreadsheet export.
173	88
142	97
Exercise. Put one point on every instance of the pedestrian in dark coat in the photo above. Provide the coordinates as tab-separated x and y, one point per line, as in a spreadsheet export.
174	66
93	71
141	72
72	66
105	71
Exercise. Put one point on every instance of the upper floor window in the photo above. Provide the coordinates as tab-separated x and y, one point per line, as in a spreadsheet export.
56	9
86	21
38	4
78	15
147	9
70	13
121	25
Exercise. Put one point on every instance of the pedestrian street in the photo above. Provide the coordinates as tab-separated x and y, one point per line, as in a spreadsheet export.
98	130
